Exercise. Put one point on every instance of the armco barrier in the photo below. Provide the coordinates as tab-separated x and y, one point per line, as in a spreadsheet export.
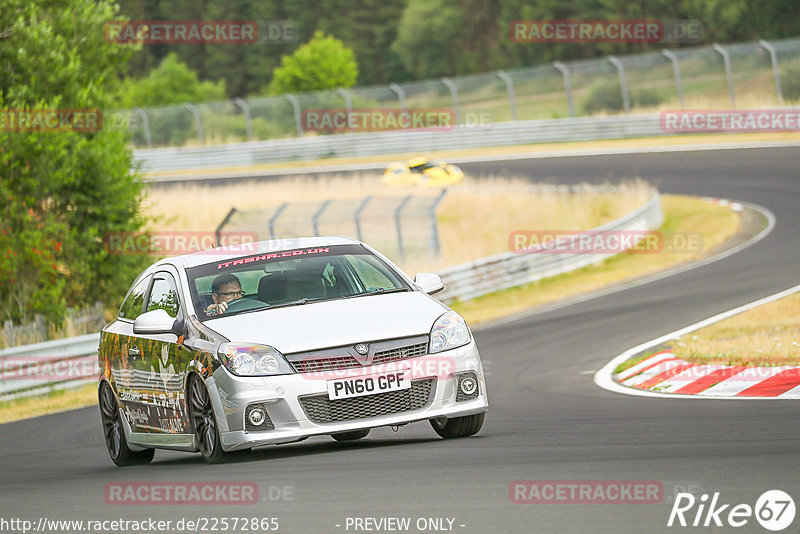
502	271
462	282
174	159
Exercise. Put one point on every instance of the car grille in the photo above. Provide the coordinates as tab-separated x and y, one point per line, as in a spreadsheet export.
312	365
320	409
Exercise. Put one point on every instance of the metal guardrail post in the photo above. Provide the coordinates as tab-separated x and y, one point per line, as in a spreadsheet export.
274	218
454	97
623	83
296	106
198	123
510	87
726	59
357	216
435	245
148	139
397	212
317	215
677	72
567	85
218	231
241	104
773	56
401	95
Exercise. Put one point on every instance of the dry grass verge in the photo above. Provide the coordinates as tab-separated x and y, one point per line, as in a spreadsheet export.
768	335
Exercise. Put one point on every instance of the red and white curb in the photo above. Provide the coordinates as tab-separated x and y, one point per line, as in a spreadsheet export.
665	376
665	373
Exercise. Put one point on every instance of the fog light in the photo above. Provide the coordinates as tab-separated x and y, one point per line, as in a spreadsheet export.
257	417
468	385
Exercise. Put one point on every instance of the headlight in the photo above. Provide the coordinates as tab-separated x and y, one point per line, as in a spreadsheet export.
253	360
449	332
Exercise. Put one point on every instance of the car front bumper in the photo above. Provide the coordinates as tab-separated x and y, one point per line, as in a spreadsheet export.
282	395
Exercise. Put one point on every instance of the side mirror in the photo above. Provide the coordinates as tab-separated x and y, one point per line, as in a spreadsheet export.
430	283
156	322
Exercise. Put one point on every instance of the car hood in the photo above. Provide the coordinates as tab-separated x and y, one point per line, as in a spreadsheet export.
334	323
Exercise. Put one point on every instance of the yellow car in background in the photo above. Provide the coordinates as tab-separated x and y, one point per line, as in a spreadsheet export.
422	172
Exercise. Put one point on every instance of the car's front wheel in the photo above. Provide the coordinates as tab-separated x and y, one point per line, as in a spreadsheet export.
121	454
458	427
204	423
351	436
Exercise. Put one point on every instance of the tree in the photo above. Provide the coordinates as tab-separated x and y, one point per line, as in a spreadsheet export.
171	83
322	63
62	192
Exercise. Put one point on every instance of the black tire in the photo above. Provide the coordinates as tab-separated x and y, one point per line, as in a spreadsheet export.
352	435
458	427
204	423
116	444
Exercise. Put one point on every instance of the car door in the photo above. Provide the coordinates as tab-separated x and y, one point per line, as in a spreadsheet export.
121	358
164	360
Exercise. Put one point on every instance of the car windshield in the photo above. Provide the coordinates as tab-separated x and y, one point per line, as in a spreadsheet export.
289	278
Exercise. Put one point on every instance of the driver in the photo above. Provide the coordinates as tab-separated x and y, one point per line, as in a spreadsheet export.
225	289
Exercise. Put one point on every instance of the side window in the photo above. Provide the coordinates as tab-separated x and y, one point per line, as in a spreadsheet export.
132	307
164	296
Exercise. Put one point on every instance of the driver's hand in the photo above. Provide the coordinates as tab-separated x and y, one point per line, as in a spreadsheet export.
219	308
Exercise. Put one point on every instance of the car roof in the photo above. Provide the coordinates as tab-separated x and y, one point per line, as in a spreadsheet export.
202	257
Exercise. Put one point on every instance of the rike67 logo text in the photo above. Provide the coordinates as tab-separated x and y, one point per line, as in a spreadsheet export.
774	510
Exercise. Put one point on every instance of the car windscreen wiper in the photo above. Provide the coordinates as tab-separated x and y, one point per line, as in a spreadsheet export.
379	291
298	302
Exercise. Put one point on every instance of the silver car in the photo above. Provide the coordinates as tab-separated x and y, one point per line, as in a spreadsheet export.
273	342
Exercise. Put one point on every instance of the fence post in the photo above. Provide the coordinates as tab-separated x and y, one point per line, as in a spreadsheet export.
358	216
274	218
198	123
510	87
567	86
218	231
454	97
348	103
8	331
626	99
677	72
775	71
296	106
40	328
397	212
148	139
317	215
241	104
401	95
435	246
726	59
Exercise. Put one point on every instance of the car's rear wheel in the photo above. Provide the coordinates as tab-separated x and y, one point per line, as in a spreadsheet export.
204	423
458	427
351	436
118	449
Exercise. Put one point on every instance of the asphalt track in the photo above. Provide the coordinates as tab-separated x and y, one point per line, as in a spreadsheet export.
547	420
